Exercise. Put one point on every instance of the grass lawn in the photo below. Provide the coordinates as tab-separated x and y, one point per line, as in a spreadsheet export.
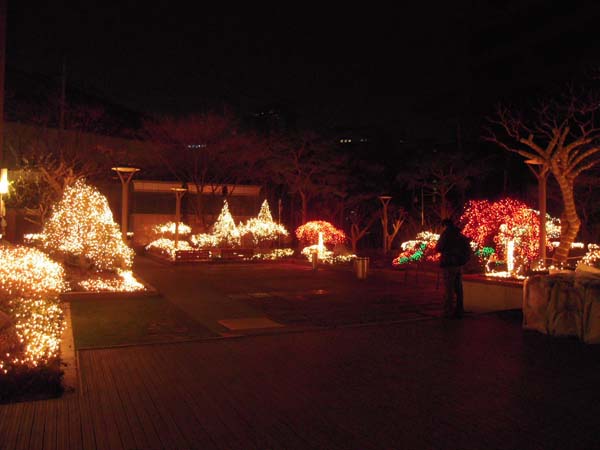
131	320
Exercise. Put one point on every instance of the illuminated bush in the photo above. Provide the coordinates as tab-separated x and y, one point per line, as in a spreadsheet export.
494	224
168	229
204	240
82	226
309	233
224	230
262	228
592	257
28	272
422	248
30	283
125	281
167	246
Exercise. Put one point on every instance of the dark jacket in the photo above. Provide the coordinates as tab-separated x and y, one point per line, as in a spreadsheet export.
450	245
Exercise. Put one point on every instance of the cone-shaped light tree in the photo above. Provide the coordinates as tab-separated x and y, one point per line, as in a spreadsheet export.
263	228
224	229
82	226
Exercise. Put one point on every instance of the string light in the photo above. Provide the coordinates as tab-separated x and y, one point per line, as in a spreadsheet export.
322	233
496	224
277	253
169	228
29	272
592	257
423	246
309	232
82	225
30	283
224	234
204	240
166	246
262	228
325	255
125	281
225	230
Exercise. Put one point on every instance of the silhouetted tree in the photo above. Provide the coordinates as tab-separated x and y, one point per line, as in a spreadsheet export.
48	160
208	151
308	166
441	173
562	136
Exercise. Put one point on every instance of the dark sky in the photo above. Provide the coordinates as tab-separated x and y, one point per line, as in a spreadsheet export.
420	67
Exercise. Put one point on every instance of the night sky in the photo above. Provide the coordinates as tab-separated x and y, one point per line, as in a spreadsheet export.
418	70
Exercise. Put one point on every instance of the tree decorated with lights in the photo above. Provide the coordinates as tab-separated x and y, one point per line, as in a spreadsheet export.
81	228
310	231
562	137
225	231
494	224
262	228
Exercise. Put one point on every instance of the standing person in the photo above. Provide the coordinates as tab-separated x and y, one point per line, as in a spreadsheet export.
455	249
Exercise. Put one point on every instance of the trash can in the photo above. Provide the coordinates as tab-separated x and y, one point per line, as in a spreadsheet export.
315	260
361	265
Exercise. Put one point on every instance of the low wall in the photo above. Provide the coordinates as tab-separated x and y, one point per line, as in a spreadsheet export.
482	294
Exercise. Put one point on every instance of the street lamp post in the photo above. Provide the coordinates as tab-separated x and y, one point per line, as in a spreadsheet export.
125	175
385	199
541	171
3	190
179	192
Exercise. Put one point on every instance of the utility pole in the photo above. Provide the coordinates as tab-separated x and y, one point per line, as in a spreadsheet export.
2	68
3	180
63	94
541	170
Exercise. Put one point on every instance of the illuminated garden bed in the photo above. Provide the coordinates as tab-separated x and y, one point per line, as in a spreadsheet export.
316	235
31	324
79	250
250	241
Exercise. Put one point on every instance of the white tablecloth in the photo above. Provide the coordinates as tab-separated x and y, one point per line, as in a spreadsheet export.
564	304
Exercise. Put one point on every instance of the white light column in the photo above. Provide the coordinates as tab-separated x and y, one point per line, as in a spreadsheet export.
179	192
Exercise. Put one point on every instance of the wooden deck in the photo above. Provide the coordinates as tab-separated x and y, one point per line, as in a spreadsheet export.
393	386
172	396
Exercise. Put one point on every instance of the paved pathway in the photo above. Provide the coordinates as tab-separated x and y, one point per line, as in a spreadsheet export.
292	294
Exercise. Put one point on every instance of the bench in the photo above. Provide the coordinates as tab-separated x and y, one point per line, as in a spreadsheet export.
237	253
192	255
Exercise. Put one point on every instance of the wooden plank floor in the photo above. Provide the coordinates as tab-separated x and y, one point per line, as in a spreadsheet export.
392	386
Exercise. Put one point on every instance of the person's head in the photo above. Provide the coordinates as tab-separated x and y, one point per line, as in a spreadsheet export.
447	223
